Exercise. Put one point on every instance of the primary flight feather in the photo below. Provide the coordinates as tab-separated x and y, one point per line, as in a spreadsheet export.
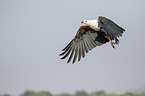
96	32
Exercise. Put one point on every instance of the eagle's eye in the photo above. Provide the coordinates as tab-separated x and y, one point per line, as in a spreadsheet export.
85	21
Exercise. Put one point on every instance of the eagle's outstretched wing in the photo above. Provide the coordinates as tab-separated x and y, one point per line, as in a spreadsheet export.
110	28
85	40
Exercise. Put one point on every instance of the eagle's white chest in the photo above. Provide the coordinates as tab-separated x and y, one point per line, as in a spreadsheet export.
93	24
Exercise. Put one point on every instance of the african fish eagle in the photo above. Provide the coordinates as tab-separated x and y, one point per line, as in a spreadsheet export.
95	33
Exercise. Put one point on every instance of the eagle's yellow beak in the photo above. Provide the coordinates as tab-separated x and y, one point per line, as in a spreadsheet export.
84	22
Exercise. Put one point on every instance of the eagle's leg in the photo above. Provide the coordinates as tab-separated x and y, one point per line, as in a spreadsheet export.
112	43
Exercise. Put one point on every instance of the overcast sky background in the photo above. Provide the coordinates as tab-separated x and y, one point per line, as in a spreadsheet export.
33	32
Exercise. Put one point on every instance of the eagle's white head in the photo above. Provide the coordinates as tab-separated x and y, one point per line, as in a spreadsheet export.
87	22
92	24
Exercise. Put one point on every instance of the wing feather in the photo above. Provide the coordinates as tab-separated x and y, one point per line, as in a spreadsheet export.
76	53
83	49
92	41
80	50
85	45
66	49
68	45
71	54
66	54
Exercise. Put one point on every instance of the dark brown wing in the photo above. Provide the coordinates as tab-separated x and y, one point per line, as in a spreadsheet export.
110	28
85	40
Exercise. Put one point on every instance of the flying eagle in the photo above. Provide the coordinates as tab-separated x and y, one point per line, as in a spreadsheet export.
96	32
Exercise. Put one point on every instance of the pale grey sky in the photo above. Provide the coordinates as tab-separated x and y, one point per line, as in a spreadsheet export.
33	32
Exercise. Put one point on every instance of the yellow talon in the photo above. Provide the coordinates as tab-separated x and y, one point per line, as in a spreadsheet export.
112	44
